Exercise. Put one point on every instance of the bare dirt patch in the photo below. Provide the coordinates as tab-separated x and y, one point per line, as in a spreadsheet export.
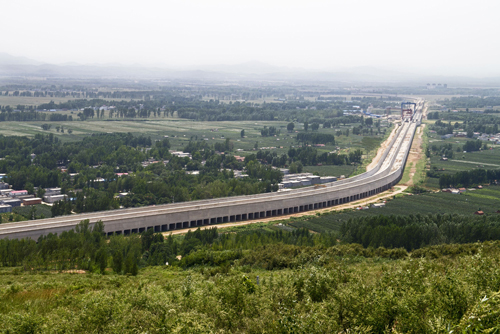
74	271
381	151
416	151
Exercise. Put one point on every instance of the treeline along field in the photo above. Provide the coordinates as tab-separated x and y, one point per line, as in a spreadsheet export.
469	178
193	107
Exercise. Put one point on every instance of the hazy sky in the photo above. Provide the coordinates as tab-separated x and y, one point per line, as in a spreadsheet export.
443	36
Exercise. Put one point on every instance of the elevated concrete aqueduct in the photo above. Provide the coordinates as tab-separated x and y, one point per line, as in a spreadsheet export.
168	217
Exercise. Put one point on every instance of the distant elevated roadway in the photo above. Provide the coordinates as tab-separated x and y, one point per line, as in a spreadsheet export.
163	218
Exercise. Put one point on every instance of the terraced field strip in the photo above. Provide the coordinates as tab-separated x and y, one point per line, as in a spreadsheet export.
474	162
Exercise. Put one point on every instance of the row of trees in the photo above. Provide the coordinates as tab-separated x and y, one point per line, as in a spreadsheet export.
269	132
87	247
309	156
145	104
472	145
84	248
469	178
471	102
94	163
306	156
413	232
26	116
442	128
481	123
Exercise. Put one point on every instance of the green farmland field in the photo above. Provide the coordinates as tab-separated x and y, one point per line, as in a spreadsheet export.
488	159
486	199
31	101
485	159
180	131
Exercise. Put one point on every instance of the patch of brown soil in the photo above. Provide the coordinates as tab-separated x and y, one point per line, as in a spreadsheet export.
416	151
74	271
36	294
381	151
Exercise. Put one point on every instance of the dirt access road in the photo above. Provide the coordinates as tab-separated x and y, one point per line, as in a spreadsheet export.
381	151
416	150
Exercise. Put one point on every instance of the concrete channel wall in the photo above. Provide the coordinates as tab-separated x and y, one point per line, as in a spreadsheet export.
169	217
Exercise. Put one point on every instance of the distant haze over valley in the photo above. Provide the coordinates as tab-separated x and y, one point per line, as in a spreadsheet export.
14	66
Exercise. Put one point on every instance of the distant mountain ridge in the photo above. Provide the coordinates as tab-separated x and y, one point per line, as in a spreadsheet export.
8	59
13	66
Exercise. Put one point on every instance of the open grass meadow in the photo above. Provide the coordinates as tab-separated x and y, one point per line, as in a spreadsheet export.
30	100
14	101
486	199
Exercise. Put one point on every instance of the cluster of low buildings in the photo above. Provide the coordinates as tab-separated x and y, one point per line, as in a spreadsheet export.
492	138
53	195
495	138
239	174
10	198
151	161
179	154
303	180
269	148
374	205
458	191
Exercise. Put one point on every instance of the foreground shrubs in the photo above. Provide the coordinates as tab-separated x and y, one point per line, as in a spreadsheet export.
281	256
327	293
